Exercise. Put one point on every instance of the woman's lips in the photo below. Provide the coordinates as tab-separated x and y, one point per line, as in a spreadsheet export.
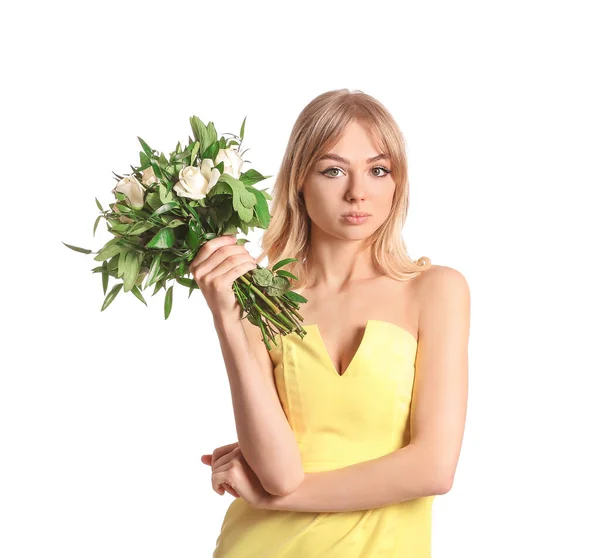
355	219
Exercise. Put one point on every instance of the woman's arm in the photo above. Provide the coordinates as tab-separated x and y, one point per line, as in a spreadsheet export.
402	475
425	466
265	437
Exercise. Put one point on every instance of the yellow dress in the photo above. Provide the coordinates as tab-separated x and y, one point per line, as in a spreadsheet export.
338	420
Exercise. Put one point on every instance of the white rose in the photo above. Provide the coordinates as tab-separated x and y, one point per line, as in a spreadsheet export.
148	176
233	161
134	191
196	182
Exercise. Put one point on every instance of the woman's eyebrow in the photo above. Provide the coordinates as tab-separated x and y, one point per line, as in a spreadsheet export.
339	158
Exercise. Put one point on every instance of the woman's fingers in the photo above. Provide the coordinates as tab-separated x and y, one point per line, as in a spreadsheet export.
216	266
220	456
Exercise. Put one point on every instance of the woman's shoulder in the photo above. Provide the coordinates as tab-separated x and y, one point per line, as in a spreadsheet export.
438	275
441	284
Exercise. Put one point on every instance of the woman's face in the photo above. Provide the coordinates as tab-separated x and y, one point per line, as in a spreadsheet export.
335	186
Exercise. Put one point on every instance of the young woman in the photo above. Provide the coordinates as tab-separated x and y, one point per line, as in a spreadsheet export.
345	436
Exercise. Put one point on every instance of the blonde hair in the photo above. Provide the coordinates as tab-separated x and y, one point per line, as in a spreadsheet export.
316	130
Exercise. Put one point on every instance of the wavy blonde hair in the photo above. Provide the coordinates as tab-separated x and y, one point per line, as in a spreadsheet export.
317	129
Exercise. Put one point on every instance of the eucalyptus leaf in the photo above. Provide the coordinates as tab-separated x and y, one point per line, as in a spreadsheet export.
295	297
141	227
122	263
164	208
77	249
96	224
242	128
132	268
168	301
138	294
145	147
287	274
185	281
281	263
153	200
154	269
109	252
111	296
195	151
104	276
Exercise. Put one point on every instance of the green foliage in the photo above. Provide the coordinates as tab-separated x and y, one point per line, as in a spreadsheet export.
154	245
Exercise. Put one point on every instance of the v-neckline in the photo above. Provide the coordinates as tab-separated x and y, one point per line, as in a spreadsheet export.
330	362
366	333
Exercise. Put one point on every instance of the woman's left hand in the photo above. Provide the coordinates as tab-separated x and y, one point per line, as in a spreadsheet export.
230	468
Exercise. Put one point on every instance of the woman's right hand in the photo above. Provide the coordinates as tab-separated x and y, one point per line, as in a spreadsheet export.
218	263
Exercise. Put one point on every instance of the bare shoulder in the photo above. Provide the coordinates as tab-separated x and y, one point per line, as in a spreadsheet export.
440	277
443	297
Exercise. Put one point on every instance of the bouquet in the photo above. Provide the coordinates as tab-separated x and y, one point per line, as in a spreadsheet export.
168	207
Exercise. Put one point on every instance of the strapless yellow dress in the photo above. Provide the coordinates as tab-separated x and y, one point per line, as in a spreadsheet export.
338	420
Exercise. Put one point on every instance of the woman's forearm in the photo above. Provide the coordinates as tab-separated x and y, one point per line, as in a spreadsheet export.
264	434
404	474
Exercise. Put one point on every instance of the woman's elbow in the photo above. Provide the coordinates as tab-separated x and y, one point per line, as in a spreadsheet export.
285	485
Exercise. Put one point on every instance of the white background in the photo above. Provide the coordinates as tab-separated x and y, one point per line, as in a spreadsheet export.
104	416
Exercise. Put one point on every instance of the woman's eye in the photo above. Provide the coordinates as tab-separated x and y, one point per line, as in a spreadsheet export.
336	169
385	171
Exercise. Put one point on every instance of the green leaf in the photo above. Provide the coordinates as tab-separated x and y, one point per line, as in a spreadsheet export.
247	198
251	177
197	127
263	277
154	269
168	301
195	150
96	224
163	161
157	287
138	294
280	286
164	208
98	204
139	228
153	200
295	297
157	170
123	208
261	209
104	276
131	269
242	128
165	195
287	274
122	261
145	147
144	160
192	239
77	249
185	281
282	263
111	296
175	223
180	156
165	238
